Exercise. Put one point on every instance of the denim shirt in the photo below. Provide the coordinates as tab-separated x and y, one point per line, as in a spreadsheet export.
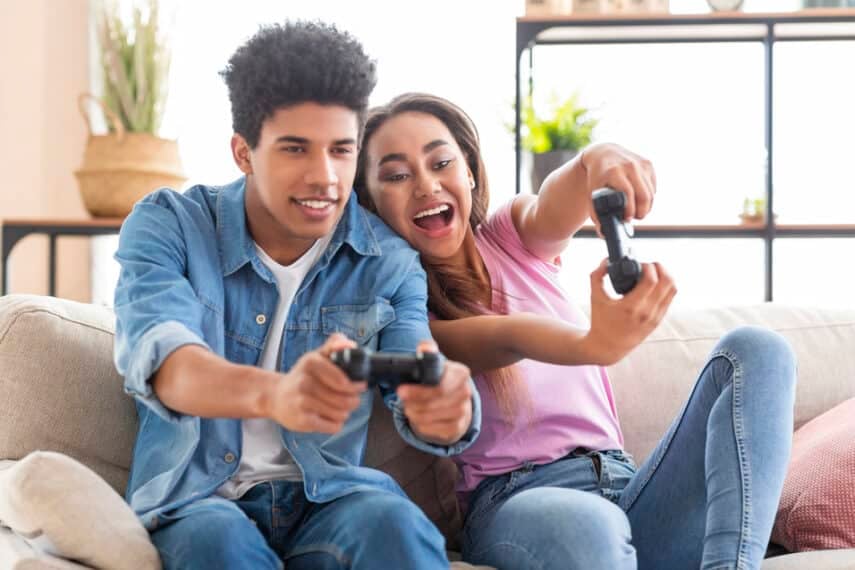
190	274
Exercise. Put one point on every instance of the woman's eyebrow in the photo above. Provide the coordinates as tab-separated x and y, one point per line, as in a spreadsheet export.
400	157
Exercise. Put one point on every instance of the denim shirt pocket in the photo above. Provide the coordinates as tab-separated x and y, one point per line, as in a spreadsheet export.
360	323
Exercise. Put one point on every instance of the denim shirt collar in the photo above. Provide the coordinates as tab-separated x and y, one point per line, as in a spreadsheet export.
237	246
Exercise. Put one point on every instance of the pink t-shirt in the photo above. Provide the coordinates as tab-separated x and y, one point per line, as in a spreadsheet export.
571	406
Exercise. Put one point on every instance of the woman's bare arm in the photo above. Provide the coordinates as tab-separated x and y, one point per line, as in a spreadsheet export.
487	342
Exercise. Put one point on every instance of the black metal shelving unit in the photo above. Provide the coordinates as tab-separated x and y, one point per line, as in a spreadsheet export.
768	29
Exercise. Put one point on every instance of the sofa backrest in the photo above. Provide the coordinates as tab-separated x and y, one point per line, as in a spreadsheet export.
60	392
653	382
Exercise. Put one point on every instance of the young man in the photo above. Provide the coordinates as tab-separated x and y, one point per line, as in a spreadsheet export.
230	301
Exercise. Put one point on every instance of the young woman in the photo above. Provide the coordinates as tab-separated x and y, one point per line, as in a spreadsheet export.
547	484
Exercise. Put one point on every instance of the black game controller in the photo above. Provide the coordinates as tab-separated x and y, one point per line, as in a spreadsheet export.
390	369
624	271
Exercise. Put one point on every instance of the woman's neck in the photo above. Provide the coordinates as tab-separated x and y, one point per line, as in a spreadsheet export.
467	260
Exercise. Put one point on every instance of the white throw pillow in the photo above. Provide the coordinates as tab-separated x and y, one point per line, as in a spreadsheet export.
63	508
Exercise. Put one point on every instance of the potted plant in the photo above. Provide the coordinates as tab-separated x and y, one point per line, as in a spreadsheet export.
129	161
555	138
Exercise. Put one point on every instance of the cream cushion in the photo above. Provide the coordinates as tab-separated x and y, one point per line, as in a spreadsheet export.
16	554
61	507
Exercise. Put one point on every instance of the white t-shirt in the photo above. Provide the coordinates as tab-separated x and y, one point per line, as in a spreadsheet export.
264	456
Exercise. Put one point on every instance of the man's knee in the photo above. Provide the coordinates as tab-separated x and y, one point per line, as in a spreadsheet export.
213	534
388	514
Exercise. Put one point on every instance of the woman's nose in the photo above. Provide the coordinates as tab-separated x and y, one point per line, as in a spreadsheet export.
426	186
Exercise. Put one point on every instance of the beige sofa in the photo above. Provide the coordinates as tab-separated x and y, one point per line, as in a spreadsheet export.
60	392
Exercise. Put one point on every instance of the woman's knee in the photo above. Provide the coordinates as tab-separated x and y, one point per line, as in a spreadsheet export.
568	517
763	354
554	528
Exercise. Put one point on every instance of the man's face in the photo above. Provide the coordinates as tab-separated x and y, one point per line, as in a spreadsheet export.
299	176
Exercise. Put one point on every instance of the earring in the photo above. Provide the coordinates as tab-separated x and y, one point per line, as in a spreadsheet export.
472	184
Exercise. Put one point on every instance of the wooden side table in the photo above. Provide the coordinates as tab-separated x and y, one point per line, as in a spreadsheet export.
16	229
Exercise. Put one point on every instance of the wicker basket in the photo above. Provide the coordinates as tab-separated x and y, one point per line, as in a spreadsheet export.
120	168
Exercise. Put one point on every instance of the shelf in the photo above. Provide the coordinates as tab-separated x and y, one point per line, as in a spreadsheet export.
768	29
819	24
758	230
51	223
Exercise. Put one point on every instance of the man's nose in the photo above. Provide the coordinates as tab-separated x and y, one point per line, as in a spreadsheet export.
321	172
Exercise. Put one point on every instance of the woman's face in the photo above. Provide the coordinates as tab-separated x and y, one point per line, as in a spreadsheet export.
419	181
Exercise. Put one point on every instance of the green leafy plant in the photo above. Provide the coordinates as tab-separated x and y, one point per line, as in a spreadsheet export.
135	58
567	126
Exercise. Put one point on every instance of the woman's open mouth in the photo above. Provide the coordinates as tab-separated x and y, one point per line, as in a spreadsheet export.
435	219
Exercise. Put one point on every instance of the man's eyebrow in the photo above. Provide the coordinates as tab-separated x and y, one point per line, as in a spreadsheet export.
400	157
303	140
292	139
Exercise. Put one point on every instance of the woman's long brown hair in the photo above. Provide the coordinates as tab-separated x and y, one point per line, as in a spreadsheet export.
454	291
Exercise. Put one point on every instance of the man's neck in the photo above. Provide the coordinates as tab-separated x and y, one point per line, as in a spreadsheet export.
268	233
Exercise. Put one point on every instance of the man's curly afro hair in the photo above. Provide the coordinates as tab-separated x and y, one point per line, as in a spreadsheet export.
298	62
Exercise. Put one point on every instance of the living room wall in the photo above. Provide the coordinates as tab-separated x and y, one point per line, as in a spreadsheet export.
44	54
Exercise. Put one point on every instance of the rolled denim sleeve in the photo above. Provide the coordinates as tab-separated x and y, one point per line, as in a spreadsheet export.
403	426
146	358
410	327
156	308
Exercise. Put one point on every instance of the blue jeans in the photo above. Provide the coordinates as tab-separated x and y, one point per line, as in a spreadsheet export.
274	523
705	498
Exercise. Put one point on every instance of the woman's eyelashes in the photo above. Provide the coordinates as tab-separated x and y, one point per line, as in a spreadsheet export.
443	163
402	175
394	177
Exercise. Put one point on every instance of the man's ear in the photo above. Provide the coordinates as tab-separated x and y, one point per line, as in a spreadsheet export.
241	153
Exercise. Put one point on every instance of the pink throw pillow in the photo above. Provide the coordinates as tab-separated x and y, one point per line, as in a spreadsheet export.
817	509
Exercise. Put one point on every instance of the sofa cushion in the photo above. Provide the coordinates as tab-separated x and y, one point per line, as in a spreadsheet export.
817	508
653	382
62	508
60	389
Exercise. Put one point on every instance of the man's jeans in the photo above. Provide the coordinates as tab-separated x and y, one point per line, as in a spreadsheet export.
273	523
705	498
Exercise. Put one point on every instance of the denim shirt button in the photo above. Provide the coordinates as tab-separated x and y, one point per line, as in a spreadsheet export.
260	319
229	457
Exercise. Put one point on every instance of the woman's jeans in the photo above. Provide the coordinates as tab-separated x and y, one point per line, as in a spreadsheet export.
705	498
273	523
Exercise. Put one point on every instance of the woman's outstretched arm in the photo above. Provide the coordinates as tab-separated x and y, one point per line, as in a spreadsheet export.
546	222
618	325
